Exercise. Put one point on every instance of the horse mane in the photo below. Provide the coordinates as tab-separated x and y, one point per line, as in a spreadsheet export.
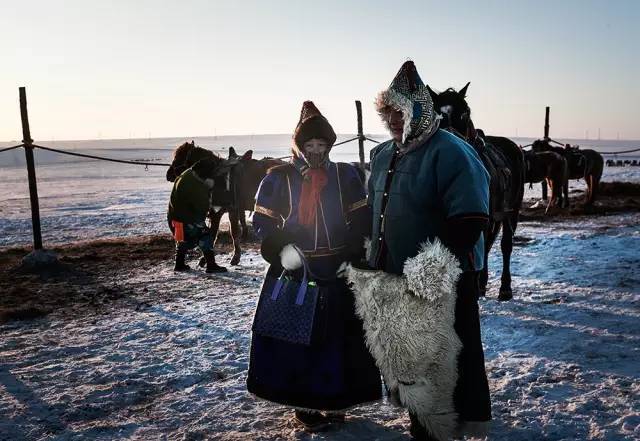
190	145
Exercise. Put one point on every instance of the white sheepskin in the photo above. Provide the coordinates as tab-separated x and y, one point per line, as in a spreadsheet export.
408	321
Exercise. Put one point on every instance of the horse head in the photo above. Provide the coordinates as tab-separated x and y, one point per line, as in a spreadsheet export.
185	156
452	106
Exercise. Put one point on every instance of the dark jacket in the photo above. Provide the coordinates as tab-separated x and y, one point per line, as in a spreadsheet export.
189	201
419	195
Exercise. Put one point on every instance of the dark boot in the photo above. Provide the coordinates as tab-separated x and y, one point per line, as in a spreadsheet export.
180	265
312	421
336	417
212	266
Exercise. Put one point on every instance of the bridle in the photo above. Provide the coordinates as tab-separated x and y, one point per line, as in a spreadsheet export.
471	135
185	163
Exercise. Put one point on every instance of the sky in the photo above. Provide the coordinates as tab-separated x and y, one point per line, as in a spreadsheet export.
137	68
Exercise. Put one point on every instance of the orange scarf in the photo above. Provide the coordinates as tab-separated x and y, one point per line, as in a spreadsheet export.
314	180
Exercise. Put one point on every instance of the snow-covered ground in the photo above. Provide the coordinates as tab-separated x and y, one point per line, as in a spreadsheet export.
81	199
563	357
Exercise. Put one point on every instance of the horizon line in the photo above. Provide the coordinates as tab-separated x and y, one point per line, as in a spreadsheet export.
289	134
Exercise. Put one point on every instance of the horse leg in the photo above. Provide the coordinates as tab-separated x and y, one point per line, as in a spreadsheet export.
589	179
554	195
506	244
544	190
243	224
214	218
594	188
235	236
490	238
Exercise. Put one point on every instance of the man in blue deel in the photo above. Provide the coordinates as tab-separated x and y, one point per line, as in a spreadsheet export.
427	184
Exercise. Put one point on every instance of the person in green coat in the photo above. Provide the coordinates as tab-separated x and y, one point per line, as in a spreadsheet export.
188	208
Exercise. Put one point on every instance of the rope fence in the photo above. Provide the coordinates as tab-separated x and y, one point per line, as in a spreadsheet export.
619	152
160	164
6	149
145	163
101	158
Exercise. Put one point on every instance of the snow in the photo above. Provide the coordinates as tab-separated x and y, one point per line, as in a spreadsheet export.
563	357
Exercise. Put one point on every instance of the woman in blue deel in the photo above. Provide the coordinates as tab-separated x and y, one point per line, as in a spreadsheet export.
320	208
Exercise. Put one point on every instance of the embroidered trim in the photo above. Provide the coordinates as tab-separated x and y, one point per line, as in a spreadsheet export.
267	212
357	205
339	185
290	201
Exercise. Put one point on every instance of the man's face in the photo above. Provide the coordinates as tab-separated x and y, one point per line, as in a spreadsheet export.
396	125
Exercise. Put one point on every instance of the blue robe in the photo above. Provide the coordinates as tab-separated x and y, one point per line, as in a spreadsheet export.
336	371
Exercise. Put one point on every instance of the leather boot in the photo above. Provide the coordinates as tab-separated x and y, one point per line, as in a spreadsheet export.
180	265
212	266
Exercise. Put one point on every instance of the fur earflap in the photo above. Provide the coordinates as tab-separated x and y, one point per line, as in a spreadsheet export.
410	333
389	100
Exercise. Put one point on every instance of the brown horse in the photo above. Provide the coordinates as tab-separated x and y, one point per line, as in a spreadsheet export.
233	193
549	167
584	164
504	161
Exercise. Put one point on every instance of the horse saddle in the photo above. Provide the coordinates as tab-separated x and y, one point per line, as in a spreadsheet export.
575	161
500	174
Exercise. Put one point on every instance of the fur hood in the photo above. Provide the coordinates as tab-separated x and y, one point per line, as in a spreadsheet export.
408	322
408	94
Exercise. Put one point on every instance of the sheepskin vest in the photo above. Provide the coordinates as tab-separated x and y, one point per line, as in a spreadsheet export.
413	194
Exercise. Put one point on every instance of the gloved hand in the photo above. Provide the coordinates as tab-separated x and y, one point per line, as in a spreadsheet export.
290	258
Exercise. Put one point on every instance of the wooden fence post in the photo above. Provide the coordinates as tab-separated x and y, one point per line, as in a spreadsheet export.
360	135
546	138
31	171
546	124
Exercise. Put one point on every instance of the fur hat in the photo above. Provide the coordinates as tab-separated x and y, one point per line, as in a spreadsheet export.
312	125
408	94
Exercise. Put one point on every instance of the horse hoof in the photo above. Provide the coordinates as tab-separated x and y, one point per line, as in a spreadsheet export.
505	295
213	269
202	262
235	261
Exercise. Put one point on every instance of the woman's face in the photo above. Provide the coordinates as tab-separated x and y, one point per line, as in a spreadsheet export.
315	145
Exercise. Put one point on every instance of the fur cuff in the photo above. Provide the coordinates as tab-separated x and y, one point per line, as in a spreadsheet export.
433	273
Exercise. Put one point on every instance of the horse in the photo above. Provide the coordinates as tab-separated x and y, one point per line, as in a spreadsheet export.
584	164
247	175
504	161
233	193
549	167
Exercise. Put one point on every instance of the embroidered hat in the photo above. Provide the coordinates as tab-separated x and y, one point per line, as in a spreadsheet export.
408	94
312	125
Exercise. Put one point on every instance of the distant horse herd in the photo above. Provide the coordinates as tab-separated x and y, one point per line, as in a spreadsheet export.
509	166
621	163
